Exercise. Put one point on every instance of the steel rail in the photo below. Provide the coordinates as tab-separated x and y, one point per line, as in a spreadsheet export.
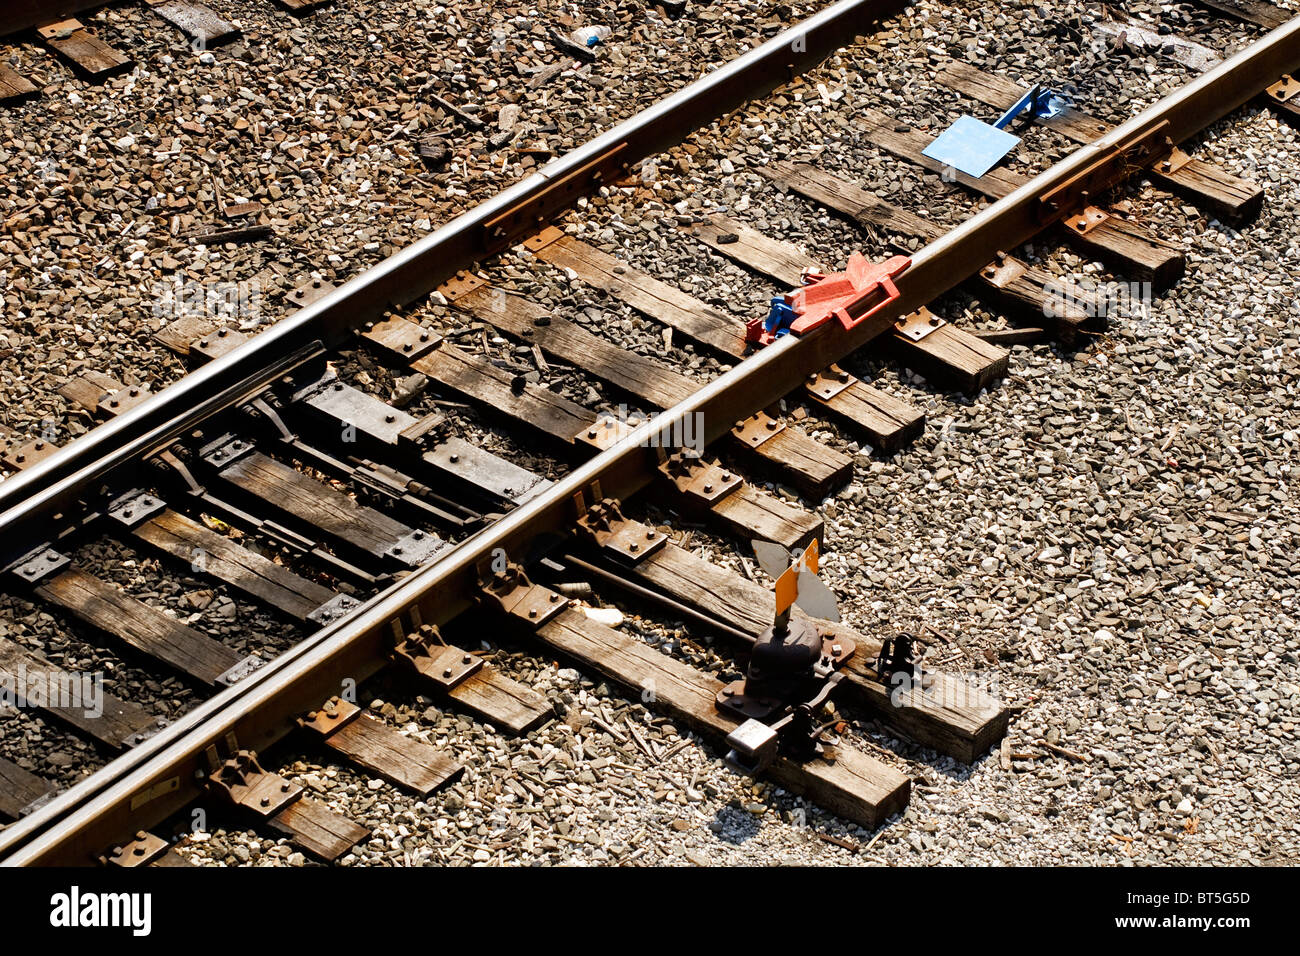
420	268
164	773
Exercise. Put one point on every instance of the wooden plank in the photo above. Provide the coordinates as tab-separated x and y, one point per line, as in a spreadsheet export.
399	759
723	334
1201	182
1258	12
19	789
315	503
89	56
179	334
201	25
799	459
119	723
492	388
317	829
888	422
1033	294
1126	244
947	353
89	389
215	554
501	701
14	87
948	715
856	786
530	322
955	356
750	512
139	625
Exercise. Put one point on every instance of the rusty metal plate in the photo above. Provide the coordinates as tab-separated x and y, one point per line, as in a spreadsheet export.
141	851
609	530
403	338
225	451
448	666
60	30
340	605
1284	88
918	324
239	671
704	481
460	285
310	291
39	564
336	713
134	507
1175	161
517	596
828	383
217	344
416	548
123	400
1003	271
604	433
543	239
28	453
733	700
243	782
1086	221
758	428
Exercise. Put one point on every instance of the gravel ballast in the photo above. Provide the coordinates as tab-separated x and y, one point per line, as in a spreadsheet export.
1105	538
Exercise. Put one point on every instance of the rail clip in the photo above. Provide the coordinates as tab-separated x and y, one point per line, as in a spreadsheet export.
851	296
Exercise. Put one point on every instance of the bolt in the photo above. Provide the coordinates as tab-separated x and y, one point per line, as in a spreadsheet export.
298	293
397	549
266	801
446	672
338	386
454	459
418	535
708	489
128	512
532	612
203	343
554	597
406	346
221	333
390	418
634	547
315	283
466	659
771	425
726	476
21	458
592	433
51	557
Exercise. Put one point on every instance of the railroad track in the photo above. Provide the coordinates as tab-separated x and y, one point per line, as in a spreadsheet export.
393	529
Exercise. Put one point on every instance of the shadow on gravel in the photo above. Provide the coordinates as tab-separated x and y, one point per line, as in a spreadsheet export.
735	825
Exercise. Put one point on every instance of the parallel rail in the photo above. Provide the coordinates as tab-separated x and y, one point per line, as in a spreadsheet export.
79	824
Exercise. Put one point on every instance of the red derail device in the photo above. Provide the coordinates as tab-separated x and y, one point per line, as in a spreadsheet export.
852	296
